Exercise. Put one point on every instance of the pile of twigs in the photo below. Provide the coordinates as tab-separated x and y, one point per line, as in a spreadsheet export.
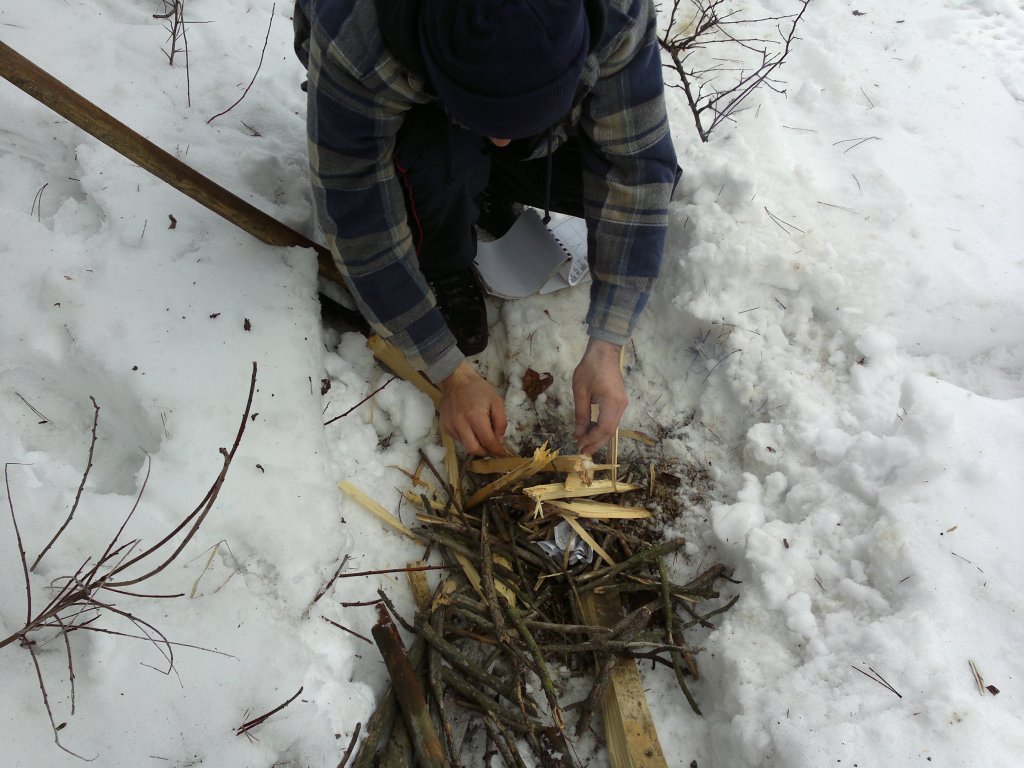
521	639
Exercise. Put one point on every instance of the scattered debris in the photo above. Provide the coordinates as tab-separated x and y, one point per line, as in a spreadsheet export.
978	679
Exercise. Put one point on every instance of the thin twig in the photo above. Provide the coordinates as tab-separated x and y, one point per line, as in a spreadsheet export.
46	702
81	485
198	515
346	629
326	587
21	555
248	726
246	91
346	413
42	417
407	569
351	745
878	679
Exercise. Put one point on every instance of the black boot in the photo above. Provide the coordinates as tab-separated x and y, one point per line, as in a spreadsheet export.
461	302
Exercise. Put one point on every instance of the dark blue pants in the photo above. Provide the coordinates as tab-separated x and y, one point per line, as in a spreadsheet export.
445	170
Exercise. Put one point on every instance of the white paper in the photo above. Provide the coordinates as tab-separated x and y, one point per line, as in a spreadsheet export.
531	259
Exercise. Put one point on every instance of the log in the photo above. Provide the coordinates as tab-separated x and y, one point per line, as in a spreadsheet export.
409	691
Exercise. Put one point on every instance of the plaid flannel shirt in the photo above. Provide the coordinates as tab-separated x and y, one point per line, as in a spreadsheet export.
358	95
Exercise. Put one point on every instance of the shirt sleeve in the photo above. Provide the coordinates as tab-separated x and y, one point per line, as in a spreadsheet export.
357	99
629	171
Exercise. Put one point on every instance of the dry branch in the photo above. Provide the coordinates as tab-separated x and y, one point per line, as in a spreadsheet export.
409	692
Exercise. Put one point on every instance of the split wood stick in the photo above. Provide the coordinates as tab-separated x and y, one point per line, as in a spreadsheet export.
409	692
386	517
391	357
541	458
629	728
551	491
640	437
599	510
420	588
45	88
585	535
415	477
418	500
472	575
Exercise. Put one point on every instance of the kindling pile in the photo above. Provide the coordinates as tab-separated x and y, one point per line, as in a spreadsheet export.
547	607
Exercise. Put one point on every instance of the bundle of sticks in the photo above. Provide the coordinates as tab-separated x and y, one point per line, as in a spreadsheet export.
527	635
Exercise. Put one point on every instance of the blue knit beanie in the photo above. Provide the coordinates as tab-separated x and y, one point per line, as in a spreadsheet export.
505	68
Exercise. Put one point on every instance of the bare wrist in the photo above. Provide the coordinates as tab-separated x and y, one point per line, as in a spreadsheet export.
463	372
602	348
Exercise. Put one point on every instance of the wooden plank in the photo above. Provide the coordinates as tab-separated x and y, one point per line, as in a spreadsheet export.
629	729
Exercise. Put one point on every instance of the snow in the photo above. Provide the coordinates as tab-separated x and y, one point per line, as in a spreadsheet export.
851	375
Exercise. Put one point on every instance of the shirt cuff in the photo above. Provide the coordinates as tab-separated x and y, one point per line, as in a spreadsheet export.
604	335
442	367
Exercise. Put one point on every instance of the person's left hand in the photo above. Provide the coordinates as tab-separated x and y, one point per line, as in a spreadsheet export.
597	380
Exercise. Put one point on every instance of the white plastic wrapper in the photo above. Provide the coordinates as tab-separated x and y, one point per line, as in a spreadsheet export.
565	538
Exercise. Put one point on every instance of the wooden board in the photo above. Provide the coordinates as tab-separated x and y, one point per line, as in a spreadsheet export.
629	729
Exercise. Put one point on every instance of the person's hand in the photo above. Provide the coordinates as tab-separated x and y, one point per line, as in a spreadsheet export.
472	412
598	381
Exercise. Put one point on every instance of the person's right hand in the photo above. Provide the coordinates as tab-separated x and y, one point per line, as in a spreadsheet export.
472	412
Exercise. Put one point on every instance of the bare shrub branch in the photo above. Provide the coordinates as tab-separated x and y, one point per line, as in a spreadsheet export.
759	46
81	485
177	30
76	605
